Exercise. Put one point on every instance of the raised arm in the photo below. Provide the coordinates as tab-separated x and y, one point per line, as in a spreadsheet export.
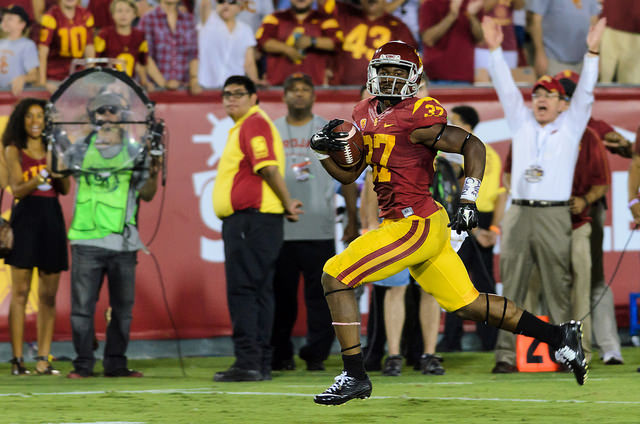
580	108
510	96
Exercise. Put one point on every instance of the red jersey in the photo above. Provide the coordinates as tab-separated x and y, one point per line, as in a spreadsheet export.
402	171
362	37
32	167
600	127
451	58
592	168
284	26
623	15
66	39
131	48
502	13
100	9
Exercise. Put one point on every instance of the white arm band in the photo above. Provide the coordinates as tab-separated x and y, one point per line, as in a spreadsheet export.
470	189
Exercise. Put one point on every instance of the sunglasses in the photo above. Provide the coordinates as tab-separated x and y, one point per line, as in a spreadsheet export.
102	110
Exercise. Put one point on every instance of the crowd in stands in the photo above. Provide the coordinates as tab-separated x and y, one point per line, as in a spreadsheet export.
196	44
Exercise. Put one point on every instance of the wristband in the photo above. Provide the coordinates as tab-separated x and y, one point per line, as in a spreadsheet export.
320	156
495	229
592	52
634	202
470	189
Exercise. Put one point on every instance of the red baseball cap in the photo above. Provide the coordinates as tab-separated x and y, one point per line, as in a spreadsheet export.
550	84
567	74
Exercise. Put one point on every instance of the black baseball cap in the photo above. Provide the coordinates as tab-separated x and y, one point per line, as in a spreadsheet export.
14	9
295	77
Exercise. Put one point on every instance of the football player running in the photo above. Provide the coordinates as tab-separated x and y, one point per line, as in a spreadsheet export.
402	135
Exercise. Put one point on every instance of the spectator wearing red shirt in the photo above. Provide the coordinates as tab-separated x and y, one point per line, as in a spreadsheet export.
123	42
502	12
450	30
66	33
298	39
173	45
364	31
621	42
100	9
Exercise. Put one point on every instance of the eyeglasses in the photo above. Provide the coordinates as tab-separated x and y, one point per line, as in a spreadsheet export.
227	1
234	95
102	110
544	95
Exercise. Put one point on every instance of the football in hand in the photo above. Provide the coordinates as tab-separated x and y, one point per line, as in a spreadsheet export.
353	152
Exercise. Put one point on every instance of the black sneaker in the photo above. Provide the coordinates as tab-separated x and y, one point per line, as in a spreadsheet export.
570	351
344	389
315	365
123	372
504	368
237	374
283	365
392	366
431	364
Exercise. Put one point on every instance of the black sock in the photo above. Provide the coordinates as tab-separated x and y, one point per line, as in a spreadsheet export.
354	366
531	326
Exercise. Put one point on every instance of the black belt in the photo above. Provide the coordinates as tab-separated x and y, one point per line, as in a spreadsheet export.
539	203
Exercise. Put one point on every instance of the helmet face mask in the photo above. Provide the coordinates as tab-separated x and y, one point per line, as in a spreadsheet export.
397	54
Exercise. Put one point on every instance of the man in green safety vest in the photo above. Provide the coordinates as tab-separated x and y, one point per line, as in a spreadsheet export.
111	176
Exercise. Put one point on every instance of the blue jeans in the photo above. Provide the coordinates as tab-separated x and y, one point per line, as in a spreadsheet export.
89	265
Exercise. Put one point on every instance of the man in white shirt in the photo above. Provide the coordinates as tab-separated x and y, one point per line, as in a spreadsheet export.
537	227
226	46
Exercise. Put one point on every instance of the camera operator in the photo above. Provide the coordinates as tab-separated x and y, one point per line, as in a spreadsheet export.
104	236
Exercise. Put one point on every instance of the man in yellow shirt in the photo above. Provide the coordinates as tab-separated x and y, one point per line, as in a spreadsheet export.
250	196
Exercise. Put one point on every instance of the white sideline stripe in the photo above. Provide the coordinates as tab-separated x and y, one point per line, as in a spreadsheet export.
205	390
440	383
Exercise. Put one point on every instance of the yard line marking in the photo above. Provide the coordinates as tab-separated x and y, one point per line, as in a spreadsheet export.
205	390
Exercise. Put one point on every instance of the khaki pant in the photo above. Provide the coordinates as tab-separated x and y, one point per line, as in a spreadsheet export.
605	327
535	238
619	57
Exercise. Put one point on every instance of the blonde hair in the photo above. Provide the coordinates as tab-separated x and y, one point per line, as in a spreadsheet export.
131	3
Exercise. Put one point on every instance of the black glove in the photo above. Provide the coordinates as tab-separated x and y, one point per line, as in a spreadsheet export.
465	219
326	140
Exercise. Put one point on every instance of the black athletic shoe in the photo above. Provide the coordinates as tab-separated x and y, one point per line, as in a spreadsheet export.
392	366
570	351
344	389
431	364
237	374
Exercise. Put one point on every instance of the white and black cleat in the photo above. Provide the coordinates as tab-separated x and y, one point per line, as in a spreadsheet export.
570	351
344	389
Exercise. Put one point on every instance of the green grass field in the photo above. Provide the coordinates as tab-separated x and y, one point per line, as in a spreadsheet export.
468	392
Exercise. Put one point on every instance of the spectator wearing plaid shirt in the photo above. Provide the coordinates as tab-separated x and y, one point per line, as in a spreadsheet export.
173	44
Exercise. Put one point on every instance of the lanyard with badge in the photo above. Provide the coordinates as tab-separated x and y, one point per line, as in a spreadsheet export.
535	172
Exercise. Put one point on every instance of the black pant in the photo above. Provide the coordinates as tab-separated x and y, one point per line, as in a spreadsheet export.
89	265
306	257
252	242
479	263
